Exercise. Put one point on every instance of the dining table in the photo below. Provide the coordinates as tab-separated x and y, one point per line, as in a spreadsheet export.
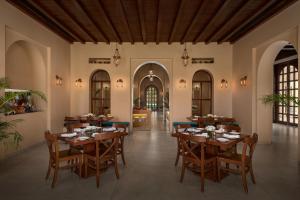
214	145
85	141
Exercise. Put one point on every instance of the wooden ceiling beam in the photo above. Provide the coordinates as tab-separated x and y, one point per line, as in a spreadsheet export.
176	20
228	19
84	10
193	22
74	19
158	22
141	16
211	21
124	16
275	9
236	28
39	15
58	21
109	22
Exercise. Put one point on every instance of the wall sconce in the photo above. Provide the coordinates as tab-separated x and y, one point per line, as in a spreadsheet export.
185	56
120	83
78	82
224	83
116	57
58	80
243	81
182	83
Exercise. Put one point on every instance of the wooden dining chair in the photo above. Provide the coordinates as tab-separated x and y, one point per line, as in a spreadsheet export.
57	157
122	128
242	162
177	132
106	147
230	128
194	153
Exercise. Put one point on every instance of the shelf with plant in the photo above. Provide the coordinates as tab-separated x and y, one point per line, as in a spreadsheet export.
8	127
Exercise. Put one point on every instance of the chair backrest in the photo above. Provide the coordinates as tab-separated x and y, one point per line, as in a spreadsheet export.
52	144
231	128
109	140
182	126
228	119
71	127
72	118
121	127
189	143
249	146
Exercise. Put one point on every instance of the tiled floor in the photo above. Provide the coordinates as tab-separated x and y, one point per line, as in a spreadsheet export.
151	174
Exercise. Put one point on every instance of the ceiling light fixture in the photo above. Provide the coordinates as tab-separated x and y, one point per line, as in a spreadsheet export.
116	57
185	57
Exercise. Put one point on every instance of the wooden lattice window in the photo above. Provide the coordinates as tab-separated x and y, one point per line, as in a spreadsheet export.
286	82
151	97
202	93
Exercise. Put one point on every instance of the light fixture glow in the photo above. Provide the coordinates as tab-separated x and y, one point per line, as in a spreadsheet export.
182	83
58	80
120	83
78	82
243	81
224	83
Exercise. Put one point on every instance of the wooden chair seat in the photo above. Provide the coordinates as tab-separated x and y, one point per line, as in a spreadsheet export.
71	158
242	162
105	150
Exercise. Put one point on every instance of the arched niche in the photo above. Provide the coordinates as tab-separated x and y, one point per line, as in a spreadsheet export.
100	92
26	68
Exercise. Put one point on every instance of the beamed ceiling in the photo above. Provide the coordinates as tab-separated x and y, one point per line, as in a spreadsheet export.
151	20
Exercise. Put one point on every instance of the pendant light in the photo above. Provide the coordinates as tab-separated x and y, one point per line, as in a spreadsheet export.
116	57
185	57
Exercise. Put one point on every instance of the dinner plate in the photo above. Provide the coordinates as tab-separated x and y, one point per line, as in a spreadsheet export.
231	136
222	139
68	135
83	138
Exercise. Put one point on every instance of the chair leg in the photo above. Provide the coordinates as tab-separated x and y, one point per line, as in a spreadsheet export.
116	167
49	170
215	171
85	166
219	170
122	151
252	174
177	157
182	170
55	175
244	179
202	178
97	173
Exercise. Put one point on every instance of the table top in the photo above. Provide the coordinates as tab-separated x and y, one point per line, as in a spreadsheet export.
222	145
75	141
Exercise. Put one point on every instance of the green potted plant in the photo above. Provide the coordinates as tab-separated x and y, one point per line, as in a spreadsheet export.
8	128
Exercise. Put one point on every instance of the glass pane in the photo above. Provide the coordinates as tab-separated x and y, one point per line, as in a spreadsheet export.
284	118
291	119
280	117
285	69
291	76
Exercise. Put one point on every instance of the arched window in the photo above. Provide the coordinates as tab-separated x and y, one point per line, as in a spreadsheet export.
202	93
151	97
100	92
286	82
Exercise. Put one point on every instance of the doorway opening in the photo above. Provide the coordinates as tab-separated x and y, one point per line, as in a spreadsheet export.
150	98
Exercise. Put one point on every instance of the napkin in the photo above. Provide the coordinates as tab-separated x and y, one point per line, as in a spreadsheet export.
231	136
109	129
68	134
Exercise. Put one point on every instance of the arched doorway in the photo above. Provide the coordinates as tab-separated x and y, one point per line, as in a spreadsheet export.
100	92
269	81
202	99
150	97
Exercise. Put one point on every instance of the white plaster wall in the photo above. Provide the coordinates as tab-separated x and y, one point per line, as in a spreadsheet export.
247	54
14	26
165	54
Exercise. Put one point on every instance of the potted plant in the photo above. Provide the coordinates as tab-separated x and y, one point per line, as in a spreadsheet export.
8	128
